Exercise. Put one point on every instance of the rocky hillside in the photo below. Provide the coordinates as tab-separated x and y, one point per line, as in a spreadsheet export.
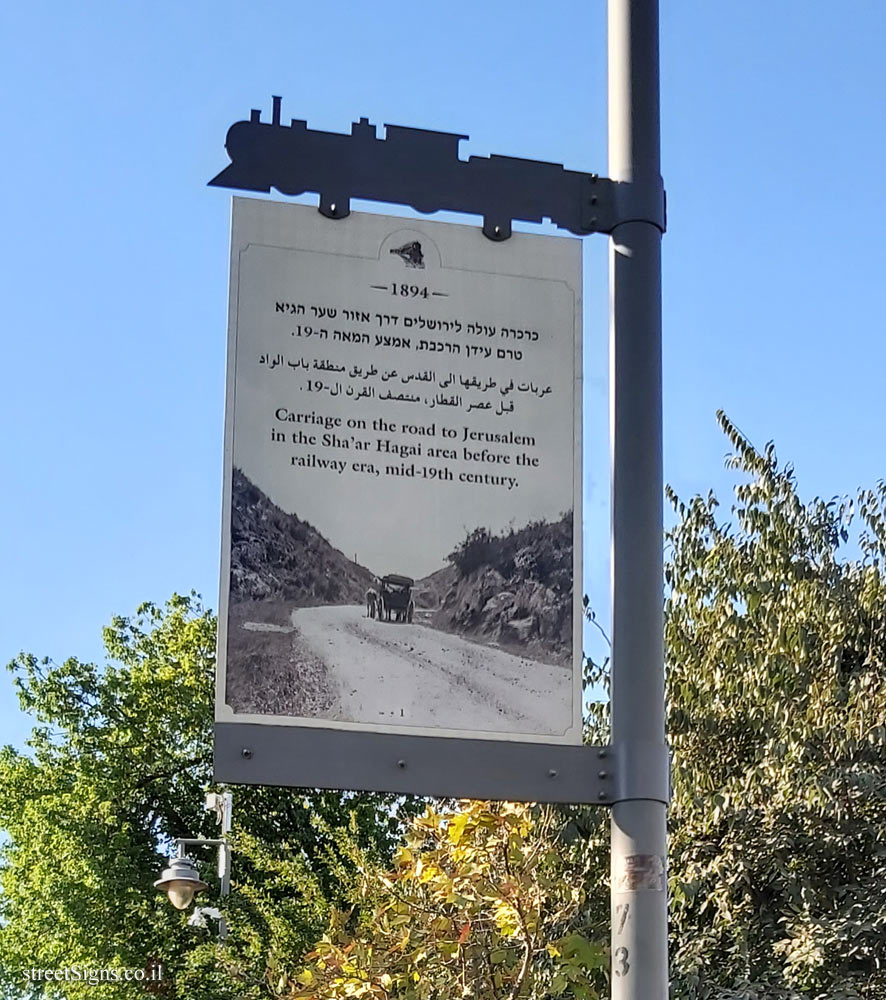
278	556
513	589
431	591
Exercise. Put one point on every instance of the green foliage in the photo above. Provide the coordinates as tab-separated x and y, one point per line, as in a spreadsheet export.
777	707
106	780
117	767
483	902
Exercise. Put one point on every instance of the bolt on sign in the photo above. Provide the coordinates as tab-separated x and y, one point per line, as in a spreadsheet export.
400	598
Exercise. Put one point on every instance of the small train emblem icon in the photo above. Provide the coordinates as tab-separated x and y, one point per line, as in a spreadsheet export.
411	253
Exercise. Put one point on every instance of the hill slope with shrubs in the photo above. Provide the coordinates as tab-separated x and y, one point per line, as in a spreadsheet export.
275	555
513	590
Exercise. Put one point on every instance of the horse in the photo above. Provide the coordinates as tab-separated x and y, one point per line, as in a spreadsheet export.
373	607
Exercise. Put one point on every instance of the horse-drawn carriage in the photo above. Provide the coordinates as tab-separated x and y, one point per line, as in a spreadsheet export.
395	598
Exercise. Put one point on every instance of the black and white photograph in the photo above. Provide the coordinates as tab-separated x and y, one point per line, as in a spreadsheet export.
400	547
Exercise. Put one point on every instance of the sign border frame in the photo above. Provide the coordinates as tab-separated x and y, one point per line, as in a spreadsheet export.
283	753
437	766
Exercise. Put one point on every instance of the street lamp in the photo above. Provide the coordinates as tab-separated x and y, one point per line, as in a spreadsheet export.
181	880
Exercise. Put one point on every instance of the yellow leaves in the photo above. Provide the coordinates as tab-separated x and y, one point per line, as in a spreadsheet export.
430	822
403	857
507	919
456	827
429	872
401	945
354	988
469	892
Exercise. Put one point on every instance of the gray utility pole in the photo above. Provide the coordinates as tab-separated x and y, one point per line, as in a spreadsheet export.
638	825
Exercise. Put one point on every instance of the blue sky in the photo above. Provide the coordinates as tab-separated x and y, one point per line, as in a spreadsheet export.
114	257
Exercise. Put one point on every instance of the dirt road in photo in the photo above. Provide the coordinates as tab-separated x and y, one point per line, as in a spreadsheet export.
413	675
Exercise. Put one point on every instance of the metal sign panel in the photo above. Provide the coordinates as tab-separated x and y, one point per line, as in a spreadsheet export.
401	524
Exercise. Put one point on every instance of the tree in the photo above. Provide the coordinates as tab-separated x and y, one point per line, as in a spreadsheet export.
776	647
117	768
484	901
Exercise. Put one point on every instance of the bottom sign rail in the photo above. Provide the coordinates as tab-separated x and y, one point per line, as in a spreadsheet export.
310	757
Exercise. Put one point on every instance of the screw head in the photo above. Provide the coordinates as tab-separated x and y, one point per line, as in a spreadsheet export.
401	763
602	774
246	753
601	795
601	753
552	773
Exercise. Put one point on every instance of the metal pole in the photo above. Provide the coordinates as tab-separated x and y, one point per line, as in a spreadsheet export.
224	851
638	826
224	858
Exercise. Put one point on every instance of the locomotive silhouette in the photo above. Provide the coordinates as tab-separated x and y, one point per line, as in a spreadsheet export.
414	167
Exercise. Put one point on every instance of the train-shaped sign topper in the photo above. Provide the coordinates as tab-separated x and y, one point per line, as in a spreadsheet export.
415	167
